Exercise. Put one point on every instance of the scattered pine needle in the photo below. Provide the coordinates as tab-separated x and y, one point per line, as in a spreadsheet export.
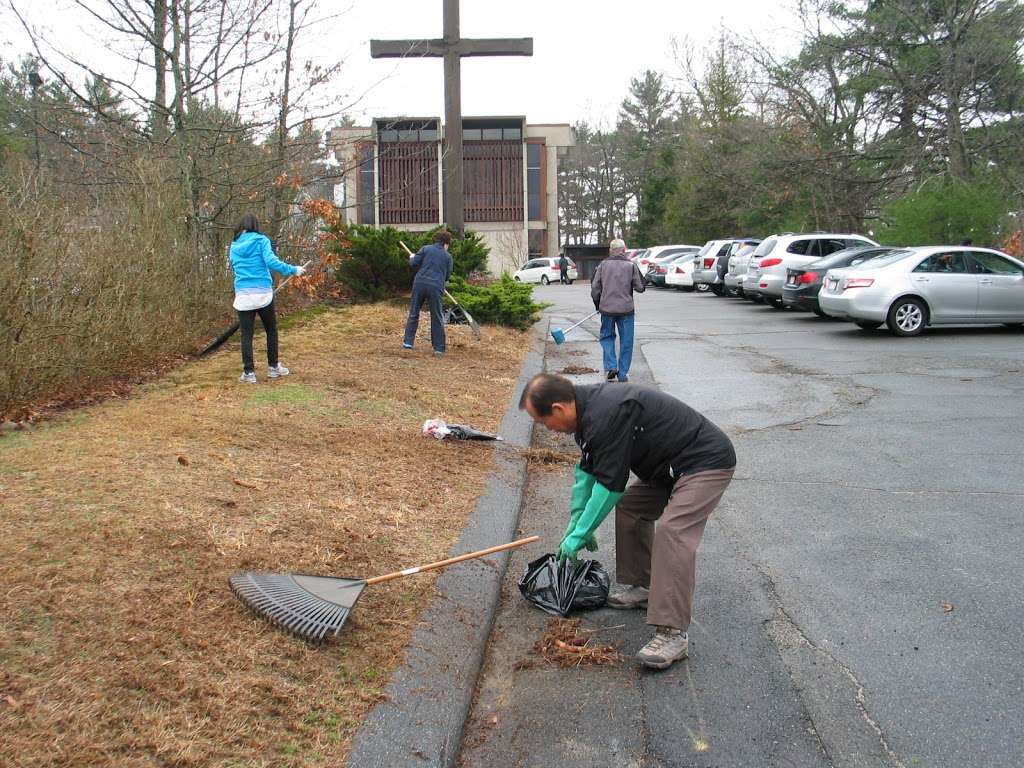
548	457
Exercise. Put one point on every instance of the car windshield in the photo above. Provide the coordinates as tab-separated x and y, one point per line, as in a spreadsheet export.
883	261
683	257
765	248
707	247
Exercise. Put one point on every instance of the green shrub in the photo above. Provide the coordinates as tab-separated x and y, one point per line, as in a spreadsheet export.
945	211
373	264
469	253
503	302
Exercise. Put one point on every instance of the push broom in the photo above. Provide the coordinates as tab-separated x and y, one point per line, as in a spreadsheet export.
473	325
311	607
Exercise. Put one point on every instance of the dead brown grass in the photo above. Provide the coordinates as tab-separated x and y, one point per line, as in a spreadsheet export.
121	644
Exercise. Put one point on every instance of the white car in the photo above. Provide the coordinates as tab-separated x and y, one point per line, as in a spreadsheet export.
544	271
657	253
912	288
766	272
738	269
680	272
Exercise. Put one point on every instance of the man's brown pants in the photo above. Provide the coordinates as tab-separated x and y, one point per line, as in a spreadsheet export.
664	557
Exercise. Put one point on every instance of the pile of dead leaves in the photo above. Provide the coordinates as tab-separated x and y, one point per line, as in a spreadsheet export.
576	370
564	643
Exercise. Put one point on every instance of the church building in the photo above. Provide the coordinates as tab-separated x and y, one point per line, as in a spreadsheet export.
393	177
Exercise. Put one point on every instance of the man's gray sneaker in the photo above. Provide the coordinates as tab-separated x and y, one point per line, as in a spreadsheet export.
248	377
277	371
634	597
666	647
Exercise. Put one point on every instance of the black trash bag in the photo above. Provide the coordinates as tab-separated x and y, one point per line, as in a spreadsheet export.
463	432
559	588
455	315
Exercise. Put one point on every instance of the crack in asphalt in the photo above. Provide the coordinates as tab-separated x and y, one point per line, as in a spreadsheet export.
893	491
782	616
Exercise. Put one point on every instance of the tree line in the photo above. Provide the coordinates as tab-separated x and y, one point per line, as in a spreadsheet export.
119	194
899	118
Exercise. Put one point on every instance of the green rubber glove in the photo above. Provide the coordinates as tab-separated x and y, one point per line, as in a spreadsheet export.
598	506
581	490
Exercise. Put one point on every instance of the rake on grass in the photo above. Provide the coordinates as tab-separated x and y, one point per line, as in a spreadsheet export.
473	325
312	607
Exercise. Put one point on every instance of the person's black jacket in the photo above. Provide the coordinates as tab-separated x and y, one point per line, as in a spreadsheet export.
624	427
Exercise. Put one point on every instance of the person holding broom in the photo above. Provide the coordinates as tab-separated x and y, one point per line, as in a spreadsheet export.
434	266
252	258
683	464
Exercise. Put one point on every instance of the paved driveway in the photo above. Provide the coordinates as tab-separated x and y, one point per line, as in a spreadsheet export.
860	588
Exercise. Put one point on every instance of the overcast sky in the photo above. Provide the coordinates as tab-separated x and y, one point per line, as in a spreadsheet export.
585	51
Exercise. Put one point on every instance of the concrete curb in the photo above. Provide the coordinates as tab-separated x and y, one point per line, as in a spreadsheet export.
420	724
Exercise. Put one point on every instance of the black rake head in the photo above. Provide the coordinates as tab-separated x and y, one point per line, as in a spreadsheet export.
310	607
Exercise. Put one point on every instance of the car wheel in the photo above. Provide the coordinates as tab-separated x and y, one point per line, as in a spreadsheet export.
703	287
516	278
907	317
544	280
776	303
866	325
571	282
717	290
757	298
819	312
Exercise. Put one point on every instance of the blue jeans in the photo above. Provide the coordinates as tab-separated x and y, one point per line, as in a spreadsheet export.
432	296
624	324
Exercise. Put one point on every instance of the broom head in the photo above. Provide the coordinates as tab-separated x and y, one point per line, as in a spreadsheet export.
310	607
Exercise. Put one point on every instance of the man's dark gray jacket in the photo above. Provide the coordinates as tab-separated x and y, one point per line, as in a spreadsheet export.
613	285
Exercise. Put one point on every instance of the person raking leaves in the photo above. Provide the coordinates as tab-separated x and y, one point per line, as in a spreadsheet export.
683	464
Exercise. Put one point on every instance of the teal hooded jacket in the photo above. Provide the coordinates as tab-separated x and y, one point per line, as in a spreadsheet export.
252	258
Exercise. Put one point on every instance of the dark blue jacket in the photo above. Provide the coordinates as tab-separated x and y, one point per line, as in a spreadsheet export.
434	264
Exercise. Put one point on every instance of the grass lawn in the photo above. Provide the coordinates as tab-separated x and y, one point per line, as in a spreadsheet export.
120	642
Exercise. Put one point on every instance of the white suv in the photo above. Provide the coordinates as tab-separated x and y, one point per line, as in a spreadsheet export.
766	273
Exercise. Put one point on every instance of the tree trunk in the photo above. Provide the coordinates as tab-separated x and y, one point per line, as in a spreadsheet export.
158	118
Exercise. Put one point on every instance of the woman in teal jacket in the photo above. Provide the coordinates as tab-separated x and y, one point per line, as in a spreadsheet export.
252	257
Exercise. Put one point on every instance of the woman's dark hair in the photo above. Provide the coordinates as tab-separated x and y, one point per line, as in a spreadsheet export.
249	223
546	389
443	236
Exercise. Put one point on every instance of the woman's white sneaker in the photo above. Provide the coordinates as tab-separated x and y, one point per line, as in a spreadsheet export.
248	377
277	371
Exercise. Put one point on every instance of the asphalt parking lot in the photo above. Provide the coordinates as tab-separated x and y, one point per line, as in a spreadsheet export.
859	590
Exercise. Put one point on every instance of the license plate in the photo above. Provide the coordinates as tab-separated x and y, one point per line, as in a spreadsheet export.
833	283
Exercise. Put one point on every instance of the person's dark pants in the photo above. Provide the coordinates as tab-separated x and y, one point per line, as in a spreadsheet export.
563	276
431	295
247	322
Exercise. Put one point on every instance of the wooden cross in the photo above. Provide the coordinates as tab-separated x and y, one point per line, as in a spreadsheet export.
452	48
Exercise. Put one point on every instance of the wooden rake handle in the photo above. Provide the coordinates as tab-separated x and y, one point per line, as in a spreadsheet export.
452	560
288	279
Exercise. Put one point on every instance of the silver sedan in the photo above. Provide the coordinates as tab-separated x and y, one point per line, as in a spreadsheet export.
912	288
